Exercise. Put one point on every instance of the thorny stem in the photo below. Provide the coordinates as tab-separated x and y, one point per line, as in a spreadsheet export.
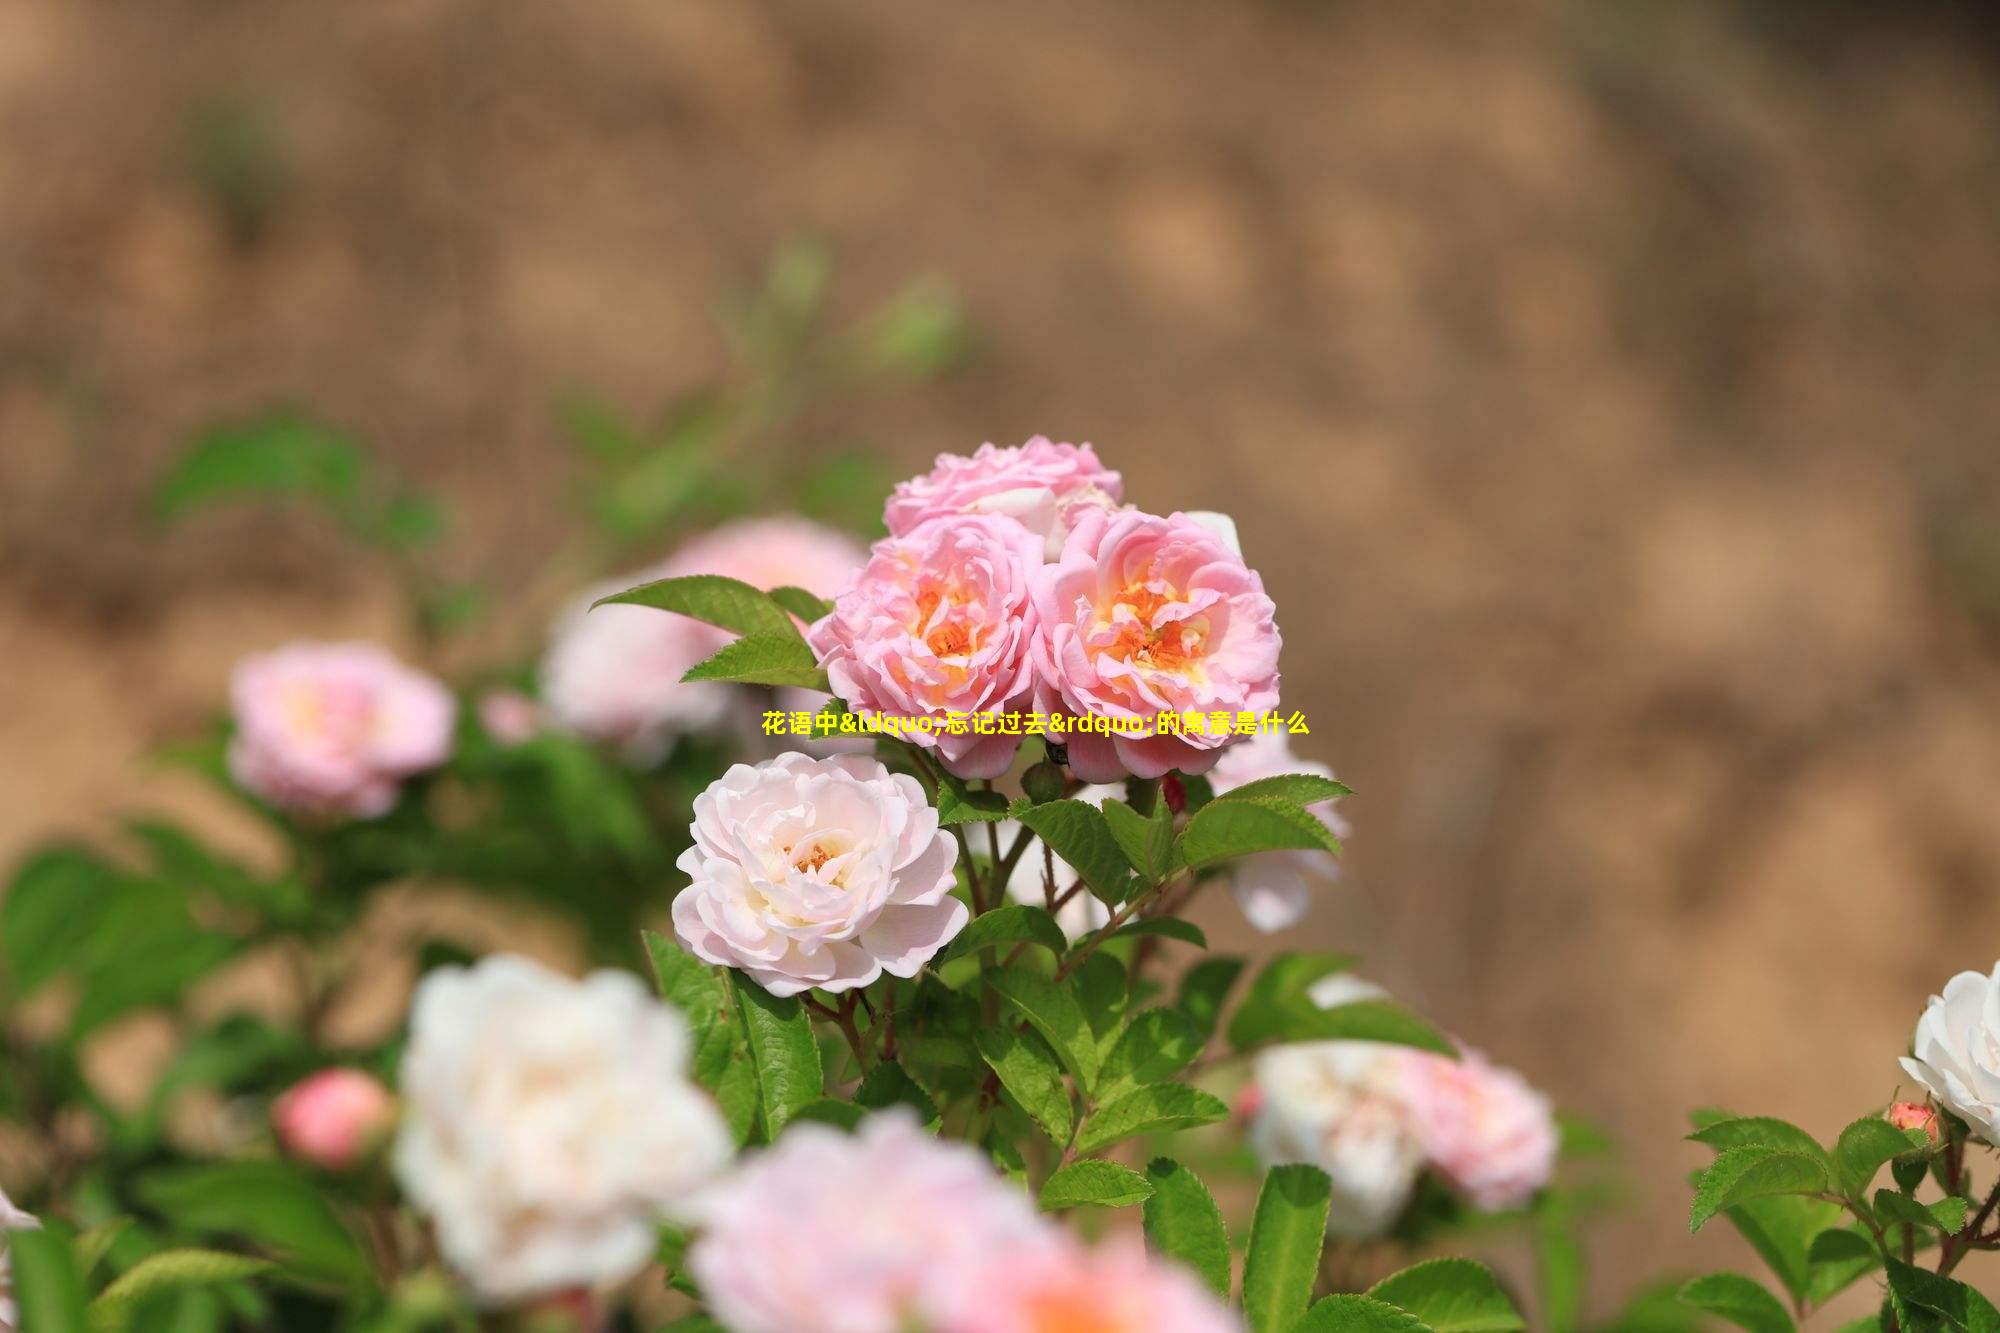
1968	1237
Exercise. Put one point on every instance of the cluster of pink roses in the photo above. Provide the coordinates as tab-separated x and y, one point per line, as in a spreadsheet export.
1012	580
888	1229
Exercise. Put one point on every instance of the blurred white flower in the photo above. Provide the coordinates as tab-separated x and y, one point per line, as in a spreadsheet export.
1955	1051
550	1124
1274	889
11	1219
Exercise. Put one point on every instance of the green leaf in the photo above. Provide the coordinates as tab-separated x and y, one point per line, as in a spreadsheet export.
1923	1301
1452	1296
701	995
1285	1238
1153	1109
1781	1229
51	911
1105	1184
1010	923
736	1096
805	605
1757	1131
1183	1223
960	803
1356	1314
1155	1046
1232	827
1836	1258
1558	1262
1146	842
1204	989
280	454
762	659
783	1051
269	1203
887	1084
1865	1146
1298	788
832	1111
727	603
1029	1071
1103	990
1297	1018
92	1244
1736	1298
47	1282
1166	927
1054	1013
166	1271
1077	833
1754	1171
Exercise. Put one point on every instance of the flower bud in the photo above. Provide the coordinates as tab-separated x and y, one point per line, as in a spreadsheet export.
1044	782
1913	1115
334	1118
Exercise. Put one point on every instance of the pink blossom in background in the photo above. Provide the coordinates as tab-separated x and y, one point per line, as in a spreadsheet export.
334	1117
509	716
1060	1286
939	621
613	674
820	873
826	1232
1143	615
1274	889
333	729
1042	485
1489	1134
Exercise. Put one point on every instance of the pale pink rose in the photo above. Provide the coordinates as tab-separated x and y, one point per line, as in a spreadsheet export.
1145	615
1042	485
333	729
820	873
939	622
1274	889
1955	1051
827	1232
1065	1288
1913	1115
333	1118
1489	1134
614	674
509	716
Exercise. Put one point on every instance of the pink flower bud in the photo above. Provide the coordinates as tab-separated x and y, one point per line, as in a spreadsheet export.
334	1117
509	716
1913	1115
1248	1101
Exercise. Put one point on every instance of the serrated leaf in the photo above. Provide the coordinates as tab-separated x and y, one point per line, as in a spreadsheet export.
1182	1222
888	1084
762	659
1165	927
1781	1229
730	604
47	1285
805	605
1029	1071
1298	788
1863	1148
1055	1014
1297	1018
1758	1131
1736	1298
1147	842
831	1111
269	1203
1923	1300
1286	1234
1076	832
1153	1109
1753	1172
702	996
1105	1184
1010	923
1357	1314
1451	1296
1155	1046
1836	1258
782	1050
1231	827
1205	989
166	1271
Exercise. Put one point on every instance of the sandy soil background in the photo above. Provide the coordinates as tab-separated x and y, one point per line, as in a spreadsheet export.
1608	392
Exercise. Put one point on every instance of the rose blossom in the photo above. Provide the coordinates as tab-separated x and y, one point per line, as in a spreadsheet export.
1041	485
613	674
509	716
1913	1115
1955	1052
1084	912
1145	615
333	1117
1275	888
1339	1105
939	622
1114	1288
550	1125
1489	1134
11	1219
333	729
819	872
827	1232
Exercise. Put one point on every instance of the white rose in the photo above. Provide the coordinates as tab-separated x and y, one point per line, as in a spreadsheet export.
1338	1105
1956	1051
550	1125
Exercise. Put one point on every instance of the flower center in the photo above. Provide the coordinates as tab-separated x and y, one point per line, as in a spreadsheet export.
1140	637
1071	1311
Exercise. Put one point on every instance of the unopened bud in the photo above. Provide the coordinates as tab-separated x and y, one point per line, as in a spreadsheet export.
1913	1115
334	1118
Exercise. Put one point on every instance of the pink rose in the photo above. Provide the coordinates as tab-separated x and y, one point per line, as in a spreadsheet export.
614	674
1275	888
1042	485
334	728
334	1117
1913	1115
1489	1134
938	622
1060	1285
817	873
1145	615
827	1232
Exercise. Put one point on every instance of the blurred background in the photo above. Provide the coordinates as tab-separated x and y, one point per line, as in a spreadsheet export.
1608	392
